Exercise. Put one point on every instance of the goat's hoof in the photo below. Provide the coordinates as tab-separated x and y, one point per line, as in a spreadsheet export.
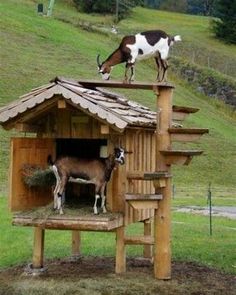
104	210
61	212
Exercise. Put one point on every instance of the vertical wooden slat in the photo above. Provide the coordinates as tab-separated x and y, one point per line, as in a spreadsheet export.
148	157
109	190
153	156
140	160
131	160
63	123
119	186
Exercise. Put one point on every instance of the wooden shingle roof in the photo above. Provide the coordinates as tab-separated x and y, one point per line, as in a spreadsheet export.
113	109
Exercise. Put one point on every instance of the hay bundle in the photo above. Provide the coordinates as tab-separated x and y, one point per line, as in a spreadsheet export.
35	176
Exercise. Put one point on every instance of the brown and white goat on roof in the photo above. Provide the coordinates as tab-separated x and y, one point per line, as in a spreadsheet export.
137	47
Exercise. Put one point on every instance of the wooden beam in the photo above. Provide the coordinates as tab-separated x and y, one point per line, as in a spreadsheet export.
162	216
38	247
144	175
139	240
147	249
76	239
120	250
118	84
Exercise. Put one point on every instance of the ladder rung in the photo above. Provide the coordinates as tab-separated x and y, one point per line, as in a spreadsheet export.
139	240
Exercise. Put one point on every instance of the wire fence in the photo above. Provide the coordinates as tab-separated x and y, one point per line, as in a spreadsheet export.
202	191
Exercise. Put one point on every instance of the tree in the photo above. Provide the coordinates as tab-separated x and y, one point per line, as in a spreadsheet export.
225	26
152	3
173	5
204	7
208	6
107	6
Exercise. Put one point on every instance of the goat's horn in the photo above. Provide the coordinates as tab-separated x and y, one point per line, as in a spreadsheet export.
98	62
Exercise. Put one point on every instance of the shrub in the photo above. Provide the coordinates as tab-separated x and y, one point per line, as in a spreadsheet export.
107	6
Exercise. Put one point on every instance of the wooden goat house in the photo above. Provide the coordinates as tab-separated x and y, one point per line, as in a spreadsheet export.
80	119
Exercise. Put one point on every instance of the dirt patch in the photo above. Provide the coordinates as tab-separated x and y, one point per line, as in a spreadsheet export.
93	275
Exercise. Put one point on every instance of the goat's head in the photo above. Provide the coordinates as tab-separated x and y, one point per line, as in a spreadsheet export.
104	69
119	155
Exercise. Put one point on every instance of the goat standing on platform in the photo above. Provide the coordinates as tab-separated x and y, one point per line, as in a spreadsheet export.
137	47
96	171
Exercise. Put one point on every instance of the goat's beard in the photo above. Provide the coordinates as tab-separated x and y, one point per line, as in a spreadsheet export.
105	77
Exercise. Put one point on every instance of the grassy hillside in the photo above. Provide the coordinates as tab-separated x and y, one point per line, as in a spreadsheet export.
34	49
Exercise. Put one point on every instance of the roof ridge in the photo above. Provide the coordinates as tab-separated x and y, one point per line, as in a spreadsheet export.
103	107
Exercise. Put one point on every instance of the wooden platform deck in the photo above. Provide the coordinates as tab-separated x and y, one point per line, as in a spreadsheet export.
120	84
73	219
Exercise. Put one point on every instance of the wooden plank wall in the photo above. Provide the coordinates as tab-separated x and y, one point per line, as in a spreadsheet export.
28	151
141	145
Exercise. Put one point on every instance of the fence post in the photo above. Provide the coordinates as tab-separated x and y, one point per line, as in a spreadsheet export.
173	191
209	201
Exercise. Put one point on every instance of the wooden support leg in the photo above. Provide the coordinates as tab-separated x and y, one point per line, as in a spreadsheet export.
38	247
120	250
75	242
147	249
162	227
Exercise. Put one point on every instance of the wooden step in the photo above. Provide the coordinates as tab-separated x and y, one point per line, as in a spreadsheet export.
142	197
187	134
180	157
180	113
139	240
143	201
141	175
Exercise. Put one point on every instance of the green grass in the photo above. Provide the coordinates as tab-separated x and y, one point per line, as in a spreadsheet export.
190	242
35	49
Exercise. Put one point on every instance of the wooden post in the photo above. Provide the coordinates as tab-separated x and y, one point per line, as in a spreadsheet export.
147	249
162	219
120	250
75	242
38	247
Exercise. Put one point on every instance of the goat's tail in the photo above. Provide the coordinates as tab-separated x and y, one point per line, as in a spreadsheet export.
177	38
49	160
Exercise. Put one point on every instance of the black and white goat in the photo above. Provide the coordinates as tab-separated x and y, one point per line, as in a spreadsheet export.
137	47
96	171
